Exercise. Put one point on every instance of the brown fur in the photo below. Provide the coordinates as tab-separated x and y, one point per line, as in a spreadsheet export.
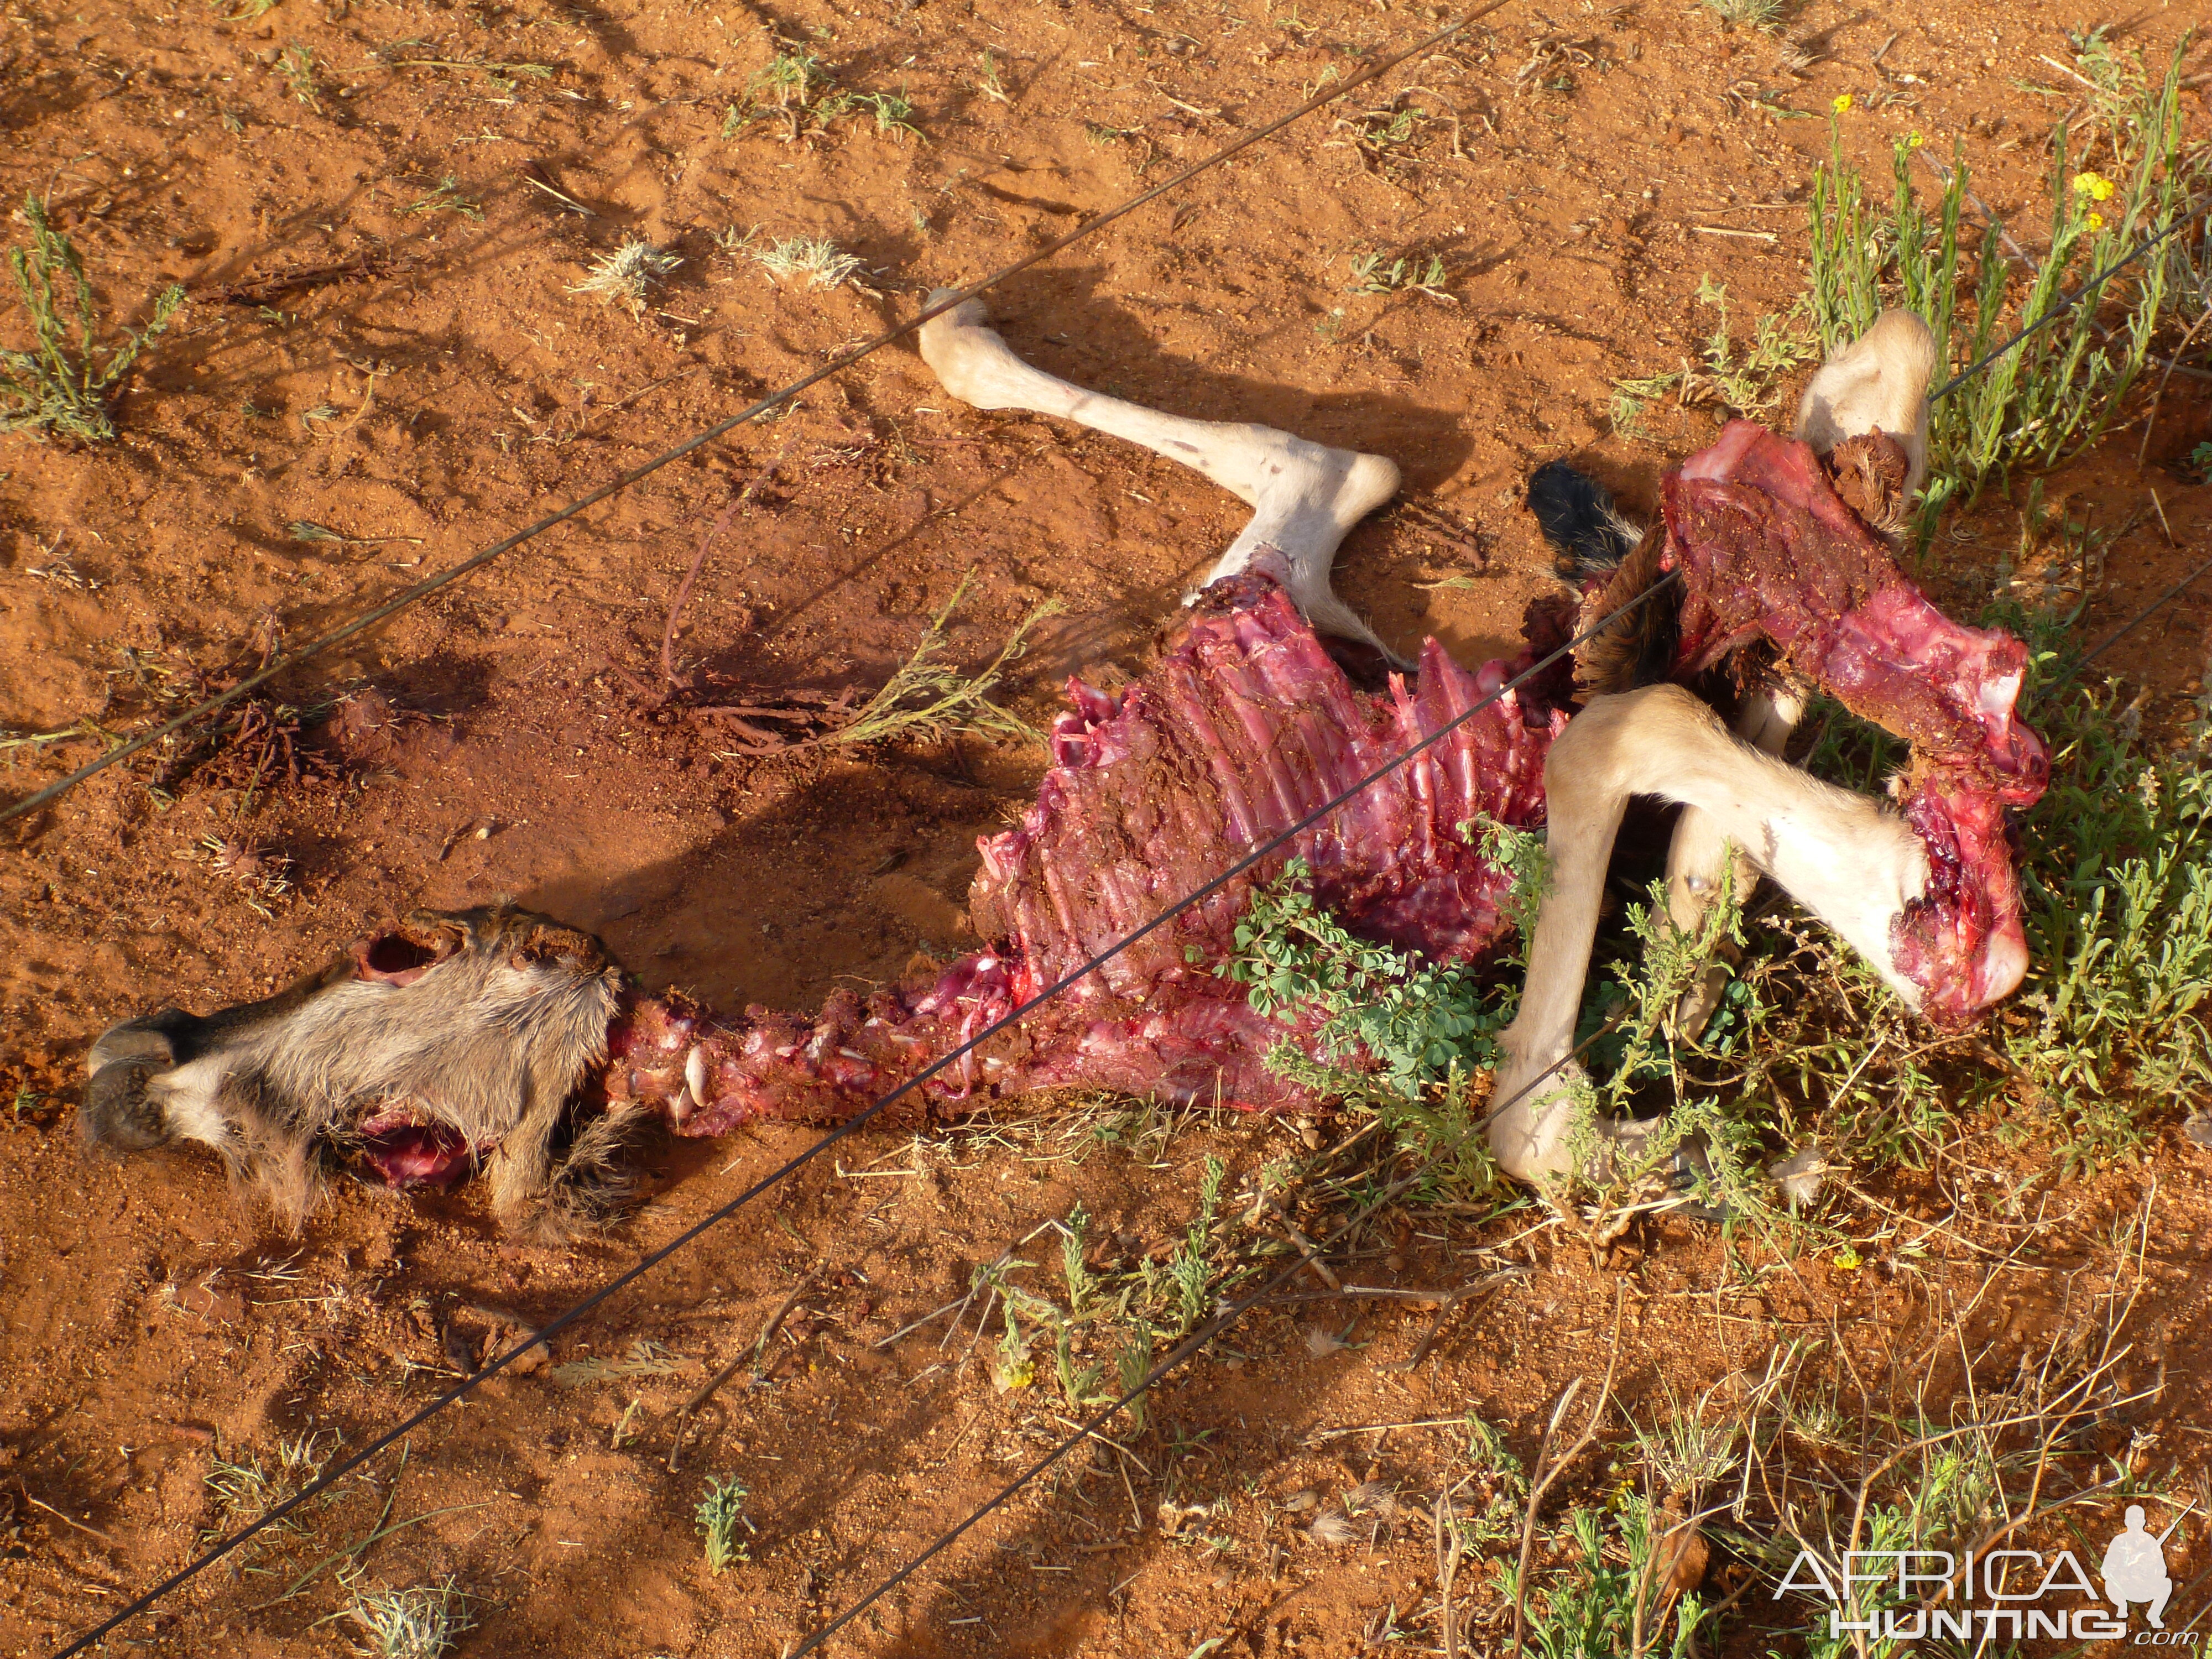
1608	661
485	1023
1870	473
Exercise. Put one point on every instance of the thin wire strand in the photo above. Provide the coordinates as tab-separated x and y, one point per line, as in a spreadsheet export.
853	1125
2070	301
430	584
2051	316
2124	629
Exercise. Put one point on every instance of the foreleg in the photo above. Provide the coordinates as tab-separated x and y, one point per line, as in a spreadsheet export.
1701	858
1305	496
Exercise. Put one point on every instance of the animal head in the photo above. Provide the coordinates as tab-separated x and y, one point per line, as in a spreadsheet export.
423	1048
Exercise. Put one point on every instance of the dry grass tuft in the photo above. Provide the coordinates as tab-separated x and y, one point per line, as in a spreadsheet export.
1746	13
628	275
817	259
928	698
422	1622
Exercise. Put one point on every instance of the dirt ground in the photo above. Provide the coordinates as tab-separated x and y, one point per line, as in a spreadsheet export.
427	380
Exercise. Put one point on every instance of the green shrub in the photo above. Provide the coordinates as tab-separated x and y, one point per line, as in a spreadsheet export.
66	386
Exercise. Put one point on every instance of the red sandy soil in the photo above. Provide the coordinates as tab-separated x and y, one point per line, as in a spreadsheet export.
454	387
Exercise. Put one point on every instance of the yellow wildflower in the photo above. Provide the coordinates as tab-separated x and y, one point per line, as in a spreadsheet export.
1849	1260
2096	221
1913	140
2094	186
1843	102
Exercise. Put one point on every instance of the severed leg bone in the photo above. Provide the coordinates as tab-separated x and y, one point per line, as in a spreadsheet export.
1849	860
1879	383
1305	496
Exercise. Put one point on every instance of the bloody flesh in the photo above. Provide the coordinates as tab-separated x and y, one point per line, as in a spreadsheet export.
1247	726
1768	549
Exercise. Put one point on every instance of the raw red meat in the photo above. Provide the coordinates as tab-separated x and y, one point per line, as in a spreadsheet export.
1247	726
1767	550
406	1153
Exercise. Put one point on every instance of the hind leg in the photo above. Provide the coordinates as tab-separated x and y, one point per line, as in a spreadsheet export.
1702	861
562	1192
522	1168
1850	861
560	1185
1305	496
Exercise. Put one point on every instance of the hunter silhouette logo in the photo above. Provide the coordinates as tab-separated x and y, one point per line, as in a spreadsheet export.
1910	1596
2135	1569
